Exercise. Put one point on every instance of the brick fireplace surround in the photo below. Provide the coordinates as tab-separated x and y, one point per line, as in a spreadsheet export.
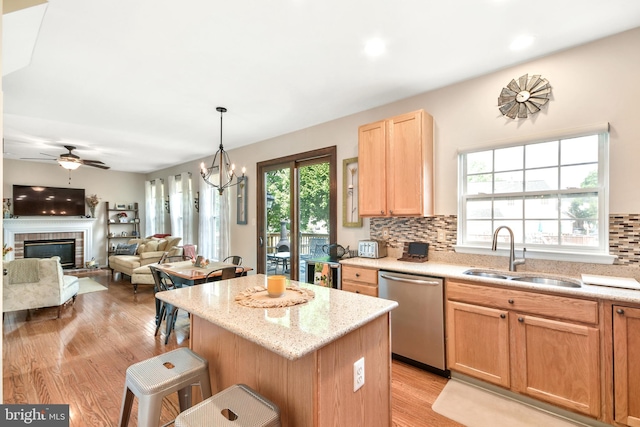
17	230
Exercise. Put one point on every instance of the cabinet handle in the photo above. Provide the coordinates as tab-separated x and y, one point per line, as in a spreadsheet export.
520	319
503	316
357	292
357	274
391	212
381	212
620	311
510	301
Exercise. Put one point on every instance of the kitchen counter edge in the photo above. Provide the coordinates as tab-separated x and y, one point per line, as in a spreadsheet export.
455	271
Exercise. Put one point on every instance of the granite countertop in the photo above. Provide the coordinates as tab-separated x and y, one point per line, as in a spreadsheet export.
455	271
291	332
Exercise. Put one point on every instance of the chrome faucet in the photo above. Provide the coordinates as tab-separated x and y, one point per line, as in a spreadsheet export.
512	252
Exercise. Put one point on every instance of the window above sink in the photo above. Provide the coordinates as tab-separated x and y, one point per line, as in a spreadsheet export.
551	191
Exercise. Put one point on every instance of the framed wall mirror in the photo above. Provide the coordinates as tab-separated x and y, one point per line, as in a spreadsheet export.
350	213
242	192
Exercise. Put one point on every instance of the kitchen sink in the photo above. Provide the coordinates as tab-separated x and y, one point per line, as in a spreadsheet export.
488	274
548	281
542	280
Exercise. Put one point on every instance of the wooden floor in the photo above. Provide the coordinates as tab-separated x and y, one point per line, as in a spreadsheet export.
81	359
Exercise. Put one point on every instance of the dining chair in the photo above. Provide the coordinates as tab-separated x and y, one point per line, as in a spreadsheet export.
168	312
233	259
227	273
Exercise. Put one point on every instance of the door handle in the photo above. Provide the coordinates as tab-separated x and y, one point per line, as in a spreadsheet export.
261	241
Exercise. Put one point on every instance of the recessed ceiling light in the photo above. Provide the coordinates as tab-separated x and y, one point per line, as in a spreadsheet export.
521	42
375	47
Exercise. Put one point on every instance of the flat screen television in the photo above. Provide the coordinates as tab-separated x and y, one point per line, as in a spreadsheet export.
33	200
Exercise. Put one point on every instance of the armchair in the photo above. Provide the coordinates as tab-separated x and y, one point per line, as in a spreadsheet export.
37	283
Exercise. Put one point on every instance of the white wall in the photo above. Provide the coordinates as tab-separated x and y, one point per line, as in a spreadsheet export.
110	186
593	83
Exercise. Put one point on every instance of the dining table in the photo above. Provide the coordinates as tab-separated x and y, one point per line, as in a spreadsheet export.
187	274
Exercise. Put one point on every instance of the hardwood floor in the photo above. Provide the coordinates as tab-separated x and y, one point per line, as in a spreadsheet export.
81	359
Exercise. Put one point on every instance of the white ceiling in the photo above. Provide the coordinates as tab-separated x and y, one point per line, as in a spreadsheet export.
136	83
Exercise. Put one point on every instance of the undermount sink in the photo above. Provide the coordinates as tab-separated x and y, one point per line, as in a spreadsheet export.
551	281
481	273
548	281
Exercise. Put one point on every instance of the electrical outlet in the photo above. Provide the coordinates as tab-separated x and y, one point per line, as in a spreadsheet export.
385	233
358	374
442	236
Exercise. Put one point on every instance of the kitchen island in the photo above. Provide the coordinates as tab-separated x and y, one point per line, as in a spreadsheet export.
300	357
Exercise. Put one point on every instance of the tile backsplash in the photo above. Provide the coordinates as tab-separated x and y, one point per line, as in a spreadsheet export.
624	235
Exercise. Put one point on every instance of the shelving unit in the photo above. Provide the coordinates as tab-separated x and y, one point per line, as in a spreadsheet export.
121	232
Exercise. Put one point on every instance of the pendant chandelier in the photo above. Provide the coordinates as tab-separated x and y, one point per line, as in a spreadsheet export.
221	166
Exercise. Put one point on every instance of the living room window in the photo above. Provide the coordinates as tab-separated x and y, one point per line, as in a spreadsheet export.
181	207
551	193
154	196
214	222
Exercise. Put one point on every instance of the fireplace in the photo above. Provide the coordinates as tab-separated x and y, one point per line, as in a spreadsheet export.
64	248
17	231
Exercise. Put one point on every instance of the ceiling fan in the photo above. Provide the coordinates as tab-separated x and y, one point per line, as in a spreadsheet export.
71	161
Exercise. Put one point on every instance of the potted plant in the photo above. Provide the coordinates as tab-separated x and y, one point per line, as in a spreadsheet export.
92	201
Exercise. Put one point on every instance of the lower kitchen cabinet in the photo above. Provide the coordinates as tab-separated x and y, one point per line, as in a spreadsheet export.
360	280
479	342
626	365
557	362
543	346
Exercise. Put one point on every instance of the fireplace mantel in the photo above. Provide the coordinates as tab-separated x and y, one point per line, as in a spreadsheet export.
13	226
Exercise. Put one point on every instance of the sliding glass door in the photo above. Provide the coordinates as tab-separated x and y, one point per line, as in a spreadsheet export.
296	211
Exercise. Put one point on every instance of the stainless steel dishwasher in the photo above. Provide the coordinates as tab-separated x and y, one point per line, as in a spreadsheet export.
417	324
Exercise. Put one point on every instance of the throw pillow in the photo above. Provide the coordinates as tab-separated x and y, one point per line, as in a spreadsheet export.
160	236
124	249
162	245
150	247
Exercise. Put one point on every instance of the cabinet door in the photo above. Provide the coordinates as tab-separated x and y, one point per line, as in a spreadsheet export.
404	187
478	342
557	362
626	365
372	176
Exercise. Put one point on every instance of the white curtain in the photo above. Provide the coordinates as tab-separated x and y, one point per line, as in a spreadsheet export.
214	227
154	212
181	207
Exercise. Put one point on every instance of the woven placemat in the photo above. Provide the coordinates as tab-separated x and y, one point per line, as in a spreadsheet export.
259	298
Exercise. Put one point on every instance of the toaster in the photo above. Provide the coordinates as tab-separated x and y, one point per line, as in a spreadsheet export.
372	248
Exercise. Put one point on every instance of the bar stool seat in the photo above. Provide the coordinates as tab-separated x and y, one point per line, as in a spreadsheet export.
152	379
237	406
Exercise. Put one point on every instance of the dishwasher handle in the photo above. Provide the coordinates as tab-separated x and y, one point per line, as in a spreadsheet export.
414	281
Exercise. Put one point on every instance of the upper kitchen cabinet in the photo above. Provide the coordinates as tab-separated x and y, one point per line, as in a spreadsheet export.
395	157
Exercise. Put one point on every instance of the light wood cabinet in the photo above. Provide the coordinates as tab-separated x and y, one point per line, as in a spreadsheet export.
395	158
552	352
360	280
479	342
626	365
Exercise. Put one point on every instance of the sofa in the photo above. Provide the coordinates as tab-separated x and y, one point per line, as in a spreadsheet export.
37	283
141	252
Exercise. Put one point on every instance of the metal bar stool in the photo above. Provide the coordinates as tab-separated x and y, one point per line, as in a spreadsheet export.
238	405
152	379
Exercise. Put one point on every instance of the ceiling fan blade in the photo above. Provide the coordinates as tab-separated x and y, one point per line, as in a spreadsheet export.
35	158
98	166
95	164
45	154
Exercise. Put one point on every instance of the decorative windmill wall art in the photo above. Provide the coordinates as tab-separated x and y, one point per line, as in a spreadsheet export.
524	97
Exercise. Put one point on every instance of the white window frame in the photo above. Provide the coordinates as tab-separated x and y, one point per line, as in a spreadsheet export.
596	254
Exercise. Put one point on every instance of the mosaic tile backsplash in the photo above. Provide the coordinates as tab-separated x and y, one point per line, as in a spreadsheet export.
624	234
